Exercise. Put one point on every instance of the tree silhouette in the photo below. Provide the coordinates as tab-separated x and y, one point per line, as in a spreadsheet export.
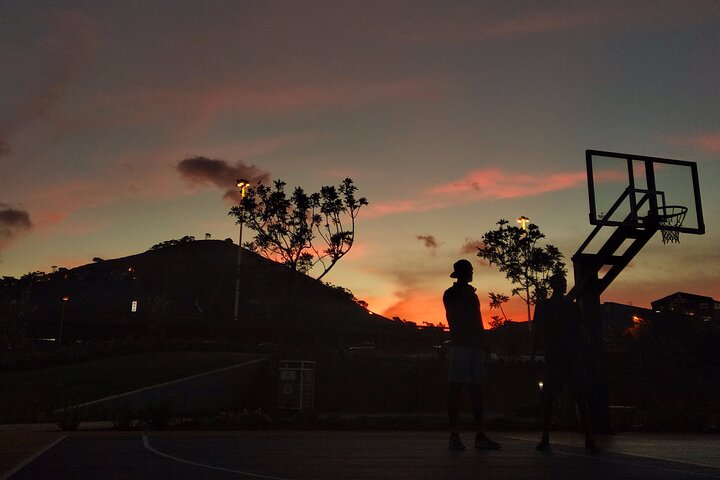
496	302
302	230
168	243
516	253
347	293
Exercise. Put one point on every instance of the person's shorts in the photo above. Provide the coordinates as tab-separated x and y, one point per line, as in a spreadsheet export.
467	365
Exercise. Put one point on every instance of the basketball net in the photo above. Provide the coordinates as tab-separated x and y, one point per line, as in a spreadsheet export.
671	216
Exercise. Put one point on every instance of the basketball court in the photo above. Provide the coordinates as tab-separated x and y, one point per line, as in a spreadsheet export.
631	198
323	455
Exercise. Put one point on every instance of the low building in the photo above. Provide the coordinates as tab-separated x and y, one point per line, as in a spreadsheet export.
617	320
704	309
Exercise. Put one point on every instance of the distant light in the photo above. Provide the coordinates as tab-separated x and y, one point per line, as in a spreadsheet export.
133	306
65	299
242	184
523	221
540	385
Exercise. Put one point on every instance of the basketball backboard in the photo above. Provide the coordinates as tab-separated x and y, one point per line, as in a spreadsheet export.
633	190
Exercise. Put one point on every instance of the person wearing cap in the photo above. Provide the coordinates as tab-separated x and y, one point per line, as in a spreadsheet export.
467	354
558	319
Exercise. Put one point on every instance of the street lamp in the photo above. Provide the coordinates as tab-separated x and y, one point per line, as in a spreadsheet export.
523	221
242	184
62	318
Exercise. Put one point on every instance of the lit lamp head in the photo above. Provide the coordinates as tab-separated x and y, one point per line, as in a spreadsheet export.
242	184
65	299
523	221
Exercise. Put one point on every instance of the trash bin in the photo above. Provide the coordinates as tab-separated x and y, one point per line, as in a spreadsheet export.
296	385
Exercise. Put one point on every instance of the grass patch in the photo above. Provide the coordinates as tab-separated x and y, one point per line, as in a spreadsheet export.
30	396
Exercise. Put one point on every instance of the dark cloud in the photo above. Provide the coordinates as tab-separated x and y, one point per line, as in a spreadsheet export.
429	241
5	148
12	223
470	246
204	170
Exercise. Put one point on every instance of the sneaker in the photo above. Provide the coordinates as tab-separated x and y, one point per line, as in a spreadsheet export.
482	442
455	443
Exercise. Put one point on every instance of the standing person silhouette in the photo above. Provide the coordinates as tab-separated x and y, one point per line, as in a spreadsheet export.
467	354
560	321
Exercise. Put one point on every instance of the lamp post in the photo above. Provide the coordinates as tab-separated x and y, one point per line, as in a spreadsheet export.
242	185
62	318
523	221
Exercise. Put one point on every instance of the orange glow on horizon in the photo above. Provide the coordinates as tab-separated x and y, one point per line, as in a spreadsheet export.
421	307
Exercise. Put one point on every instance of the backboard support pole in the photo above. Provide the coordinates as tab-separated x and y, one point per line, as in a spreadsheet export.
589	285
635	196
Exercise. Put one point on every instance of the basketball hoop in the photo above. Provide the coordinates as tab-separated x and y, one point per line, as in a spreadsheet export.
668	218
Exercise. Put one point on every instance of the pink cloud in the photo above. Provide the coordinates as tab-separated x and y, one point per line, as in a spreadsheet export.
465	26
137	176
200	108
56	203
380	209
542	22
47	219
263	146
83	193
472	24
709	142
141	175
470	246
486	184
493	183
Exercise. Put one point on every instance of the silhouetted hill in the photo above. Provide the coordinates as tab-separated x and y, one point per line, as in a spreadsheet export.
190	287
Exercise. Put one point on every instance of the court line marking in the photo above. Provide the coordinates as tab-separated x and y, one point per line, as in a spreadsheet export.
151	387
623	462
31	459
146	444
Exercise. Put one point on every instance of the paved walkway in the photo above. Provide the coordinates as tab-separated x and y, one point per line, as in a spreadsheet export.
281	455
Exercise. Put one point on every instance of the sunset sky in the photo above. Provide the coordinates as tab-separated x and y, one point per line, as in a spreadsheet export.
447	115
